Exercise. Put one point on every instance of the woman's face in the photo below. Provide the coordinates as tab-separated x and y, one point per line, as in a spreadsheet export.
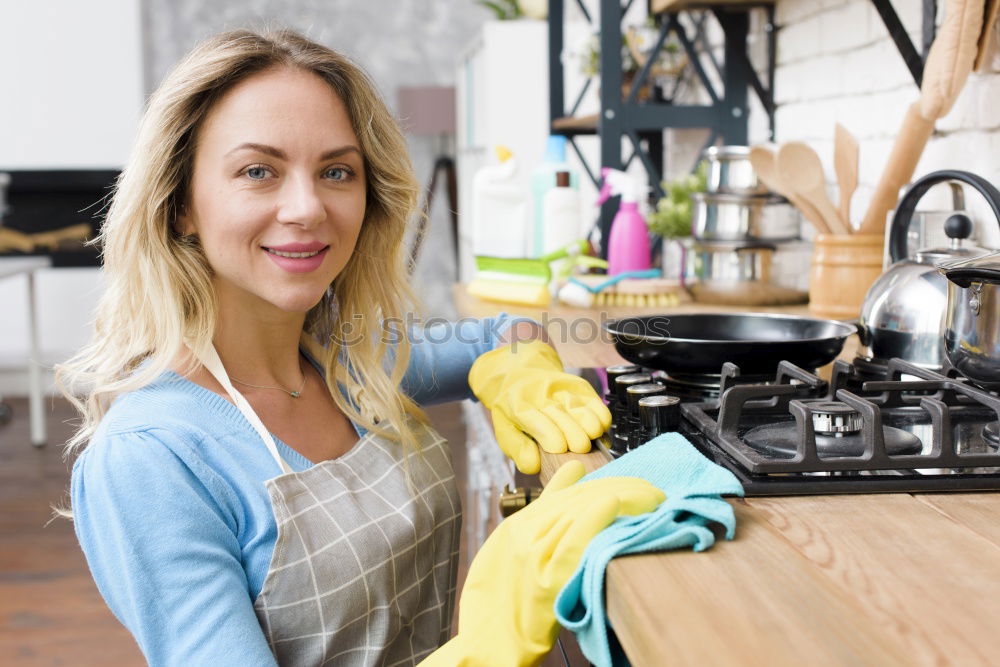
277	195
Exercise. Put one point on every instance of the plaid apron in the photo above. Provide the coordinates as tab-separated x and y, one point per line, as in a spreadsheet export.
364	567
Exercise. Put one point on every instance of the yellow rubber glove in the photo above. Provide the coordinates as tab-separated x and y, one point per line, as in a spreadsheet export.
506	616
534	403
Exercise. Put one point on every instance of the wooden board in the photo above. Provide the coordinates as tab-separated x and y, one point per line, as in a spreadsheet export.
754	600
976	511
551	462
928	582
586	123
658	6
823	580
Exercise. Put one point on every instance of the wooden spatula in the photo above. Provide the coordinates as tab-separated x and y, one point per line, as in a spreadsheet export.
845	165
763	162
802	172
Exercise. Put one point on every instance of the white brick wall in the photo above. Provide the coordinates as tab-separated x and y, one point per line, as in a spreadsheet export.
836	63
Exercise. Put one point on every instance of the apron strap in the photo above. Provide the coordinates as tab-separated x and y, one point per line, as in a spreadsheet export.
209	358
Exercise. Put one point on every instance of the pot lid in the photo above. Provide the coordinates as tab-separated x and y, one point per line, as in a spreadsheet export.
983	269
939	255
958	228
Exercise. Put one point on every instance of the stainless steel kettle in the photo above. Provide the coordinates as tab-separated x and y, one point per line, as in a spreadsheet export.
902	315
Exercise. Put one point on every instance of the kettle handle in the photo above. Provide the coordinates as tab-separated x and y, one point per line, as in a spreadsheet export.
904	211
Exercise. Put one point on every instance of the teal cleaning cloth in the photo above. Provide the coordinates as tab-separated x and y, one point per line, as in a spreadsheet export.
693	485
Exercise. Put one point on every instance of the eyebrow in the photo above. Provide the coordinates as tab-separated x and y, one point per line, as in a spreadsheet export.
280	154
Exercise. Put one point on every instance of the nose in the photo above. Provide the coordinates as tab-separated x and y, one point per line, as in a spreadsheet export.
300	203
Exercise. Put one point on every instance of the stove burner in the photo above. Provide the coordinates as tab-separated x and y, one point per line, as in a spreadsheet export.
781	441
939	432
702	386
991	433
834	417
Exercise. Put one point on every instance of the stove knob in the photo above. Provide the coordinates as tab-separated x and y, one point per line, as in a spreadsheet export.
619	404
623	382
833	417
631	435
639	391
615	372
659	414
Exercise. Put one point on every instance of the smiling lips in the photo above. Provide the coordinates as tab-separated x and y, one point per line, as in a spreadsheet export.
297	257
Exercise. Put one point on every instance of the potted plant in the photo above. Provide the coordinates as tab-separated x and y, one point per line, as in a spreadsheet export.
636	49
672	219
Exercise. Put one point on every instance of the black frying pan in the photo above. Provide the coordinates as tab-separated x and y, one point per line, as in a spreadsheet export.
686	344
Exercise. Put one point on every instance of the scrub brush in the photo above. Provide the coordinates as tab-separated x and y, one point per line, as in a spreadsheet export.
650	293
578	293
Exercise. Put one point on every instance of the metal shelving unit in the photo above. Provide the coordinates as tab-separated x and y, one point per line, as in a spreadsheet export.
643	123
913	59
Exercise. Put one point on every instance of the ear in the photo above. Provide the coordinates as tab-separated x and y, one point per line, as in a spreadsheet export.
183	223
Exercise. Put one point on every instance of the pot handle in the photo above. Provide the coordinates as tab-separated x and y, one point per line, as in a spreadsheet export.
904	211
965	277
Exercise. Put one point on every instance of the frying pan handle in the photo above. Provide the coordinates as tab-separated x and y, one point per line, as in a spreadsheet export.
904	212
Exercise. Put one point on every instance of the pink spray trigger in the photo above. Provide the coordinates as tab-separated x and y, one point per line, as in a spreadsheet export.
605	186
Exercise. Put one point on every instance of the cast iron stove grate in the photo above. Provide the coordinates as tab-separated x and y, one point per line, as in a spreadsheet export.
914	430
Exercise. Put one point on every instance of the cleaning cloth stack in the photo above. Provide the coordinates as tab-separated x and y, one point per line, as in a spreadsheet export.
694	486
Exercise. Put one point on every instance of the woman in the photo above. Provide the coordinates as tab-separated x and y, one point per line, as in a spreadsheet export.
259	483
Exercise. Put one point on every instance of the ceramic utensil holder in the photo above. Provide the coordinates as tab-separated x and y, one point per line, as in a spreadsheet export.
843	268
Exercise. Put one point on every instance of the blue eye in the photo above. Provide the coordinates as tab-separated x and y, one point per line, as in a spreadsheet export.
339	173
256	173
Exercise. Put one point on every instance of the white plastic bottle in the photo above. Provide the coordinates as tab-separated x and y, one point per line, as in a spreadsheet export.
543	179
561	213
500	224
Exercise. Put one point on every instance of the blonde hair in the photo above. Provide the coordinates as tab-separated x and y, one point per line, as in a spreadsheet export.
159	295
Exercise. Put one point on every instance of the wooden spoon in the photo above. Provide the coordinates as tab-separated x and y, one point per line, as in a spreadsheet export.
801	170
845	164
763	161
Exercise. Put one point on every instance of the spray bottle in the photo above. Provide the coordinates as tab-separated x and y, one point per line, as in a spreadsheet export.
628	243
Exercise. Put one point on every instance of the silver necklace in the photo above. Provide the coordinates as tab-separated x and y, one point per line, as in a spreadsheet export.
293	394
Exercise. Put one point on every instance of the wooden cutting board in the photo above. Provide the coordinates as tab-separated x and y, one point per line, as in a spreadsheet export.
986	34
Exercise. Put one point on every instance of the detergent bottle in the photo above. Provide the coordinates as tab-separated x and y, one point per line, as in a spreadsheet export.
628	242
500	217
543	181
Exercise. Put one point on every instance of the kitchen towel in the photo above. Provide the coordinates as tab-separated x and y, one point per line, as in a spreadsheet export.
693	485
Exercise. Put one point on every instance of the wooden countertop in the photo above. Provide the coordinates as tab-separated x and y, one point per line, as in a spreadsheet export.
893	579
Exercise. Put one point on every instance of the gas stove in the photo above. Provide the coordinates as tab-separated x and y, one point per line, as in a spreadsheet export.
794	433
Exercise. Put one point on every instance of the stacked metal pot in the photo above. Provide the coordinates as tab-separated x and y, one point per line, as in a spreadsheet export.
745	248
